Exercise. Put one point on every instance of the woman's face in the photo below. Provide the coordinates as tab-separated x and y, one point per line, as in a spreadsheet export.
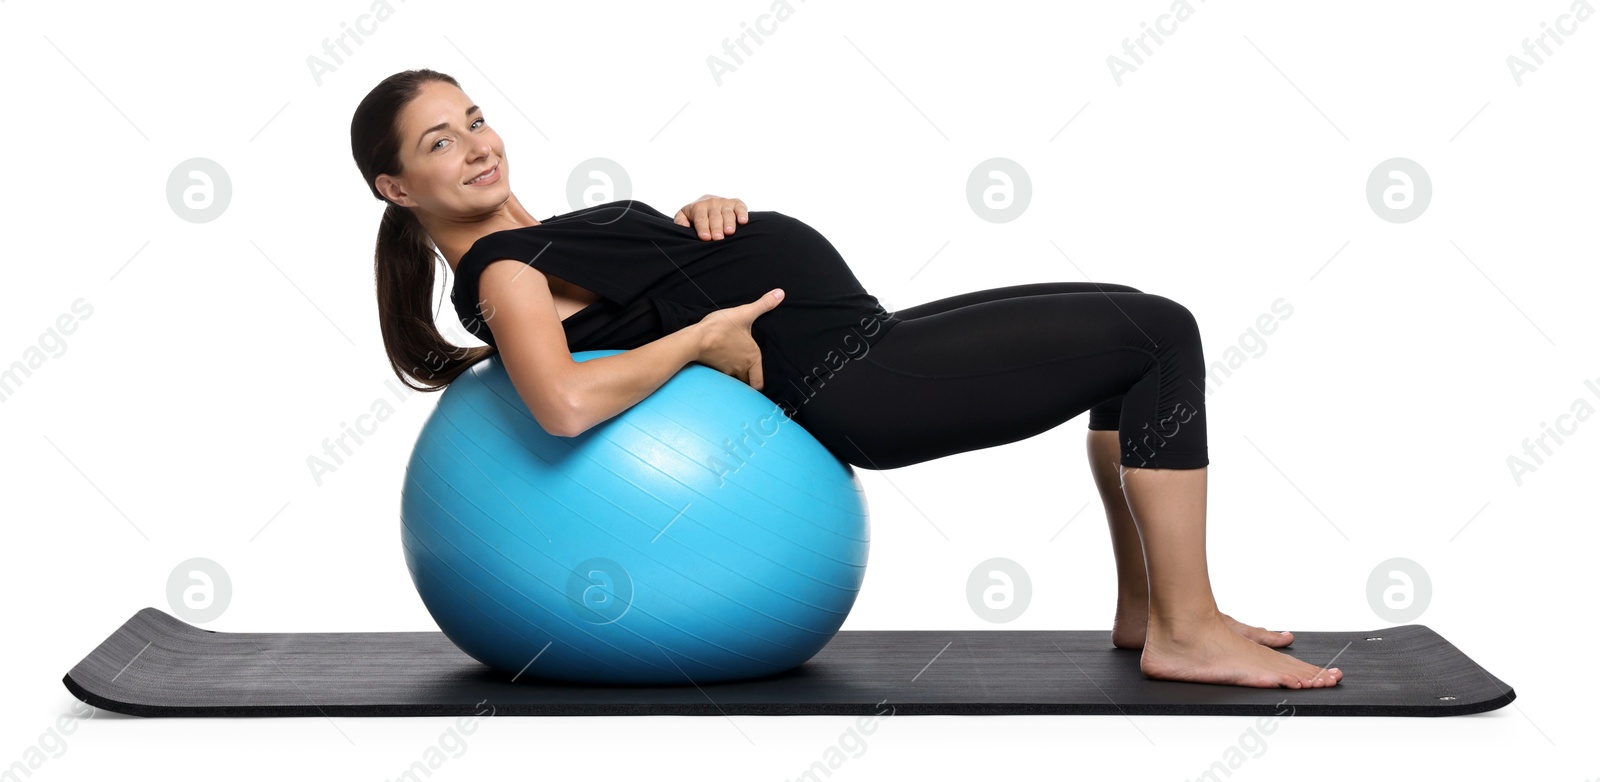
444	143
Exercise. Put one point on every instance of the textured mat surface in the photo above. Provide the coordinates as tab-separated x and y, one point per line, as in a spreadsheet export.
155	665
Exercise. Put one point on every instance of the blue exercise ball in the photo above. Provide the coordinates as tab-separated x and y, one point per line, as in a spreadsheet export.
699	536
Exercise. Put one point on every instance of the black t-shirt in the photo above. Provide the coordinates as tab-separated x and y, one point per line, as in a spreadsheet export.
655	277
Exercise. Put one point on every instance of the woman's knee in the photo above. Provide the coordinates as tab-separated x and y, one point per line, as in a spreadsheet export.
1174	313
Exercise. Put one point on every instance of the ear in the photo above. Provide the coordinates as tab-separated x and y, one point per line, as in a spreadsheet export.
390	189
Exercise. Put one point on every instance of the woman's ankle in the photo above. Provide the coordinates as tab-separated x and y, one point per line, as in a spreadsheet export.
1181	624
1133	598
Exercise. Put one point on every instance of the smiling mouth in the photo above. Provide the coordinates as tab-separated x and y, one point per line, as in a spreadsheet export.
490	174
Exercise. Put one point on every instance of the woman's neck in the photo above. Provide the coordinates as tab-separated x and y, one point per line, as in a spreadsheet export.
454	238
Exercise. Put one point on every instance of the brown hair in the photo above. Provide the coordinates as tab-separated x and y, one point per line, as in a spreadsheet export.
405	258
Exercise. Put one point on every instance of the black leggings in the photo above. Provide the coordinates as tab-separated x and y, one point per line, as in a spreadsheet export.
995	366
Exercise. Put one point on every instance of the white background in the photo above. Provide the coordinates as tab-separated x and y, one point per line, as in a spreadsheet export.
1225	172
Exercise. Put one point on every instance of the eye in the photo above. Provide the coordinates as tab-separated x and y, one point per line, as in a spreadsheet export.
441	141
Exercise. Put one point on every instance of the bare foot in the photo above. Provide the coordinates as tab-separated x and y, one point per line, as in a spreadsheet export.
1129	627
1260	635
1210	652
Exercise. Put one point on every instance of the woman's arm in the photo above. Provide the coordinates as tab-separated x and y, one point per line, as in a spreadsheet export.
721	340
603	387
568	397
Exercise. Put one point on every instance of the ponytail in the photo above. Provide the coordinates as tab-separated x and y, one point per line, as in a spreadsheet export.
403	267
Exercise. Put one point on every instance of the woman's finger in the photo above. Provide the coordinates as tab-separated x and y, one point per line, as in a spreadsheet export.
702	222
714	219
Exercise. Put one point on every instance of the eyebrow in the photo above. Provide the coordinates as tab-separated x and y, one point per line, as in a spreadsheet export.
443	125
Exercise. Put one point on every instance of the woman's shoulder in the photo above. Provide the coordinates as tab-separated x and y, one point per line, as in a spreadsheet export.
514	239
620	208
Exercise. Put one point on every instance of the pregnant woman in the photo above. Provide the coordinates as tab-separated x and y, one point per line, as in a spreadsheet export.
765	298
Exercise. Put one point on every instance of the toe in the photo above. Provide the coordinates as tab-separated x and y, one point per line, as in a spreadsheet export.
1266	637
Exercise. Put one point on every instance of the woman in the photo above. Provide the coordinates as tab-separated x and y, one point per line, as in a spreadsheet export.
764	298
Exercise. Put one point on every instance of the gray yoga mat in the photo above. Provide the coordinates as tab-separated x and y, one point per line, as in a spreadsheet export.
156	665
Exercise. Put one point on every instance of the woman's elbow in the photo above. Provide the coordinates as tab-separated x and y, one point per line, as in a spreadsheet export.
568	430
564	419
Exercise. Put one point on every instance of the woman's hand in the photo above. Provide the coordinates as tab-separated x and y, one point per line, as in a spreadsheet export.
725	341
713	216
